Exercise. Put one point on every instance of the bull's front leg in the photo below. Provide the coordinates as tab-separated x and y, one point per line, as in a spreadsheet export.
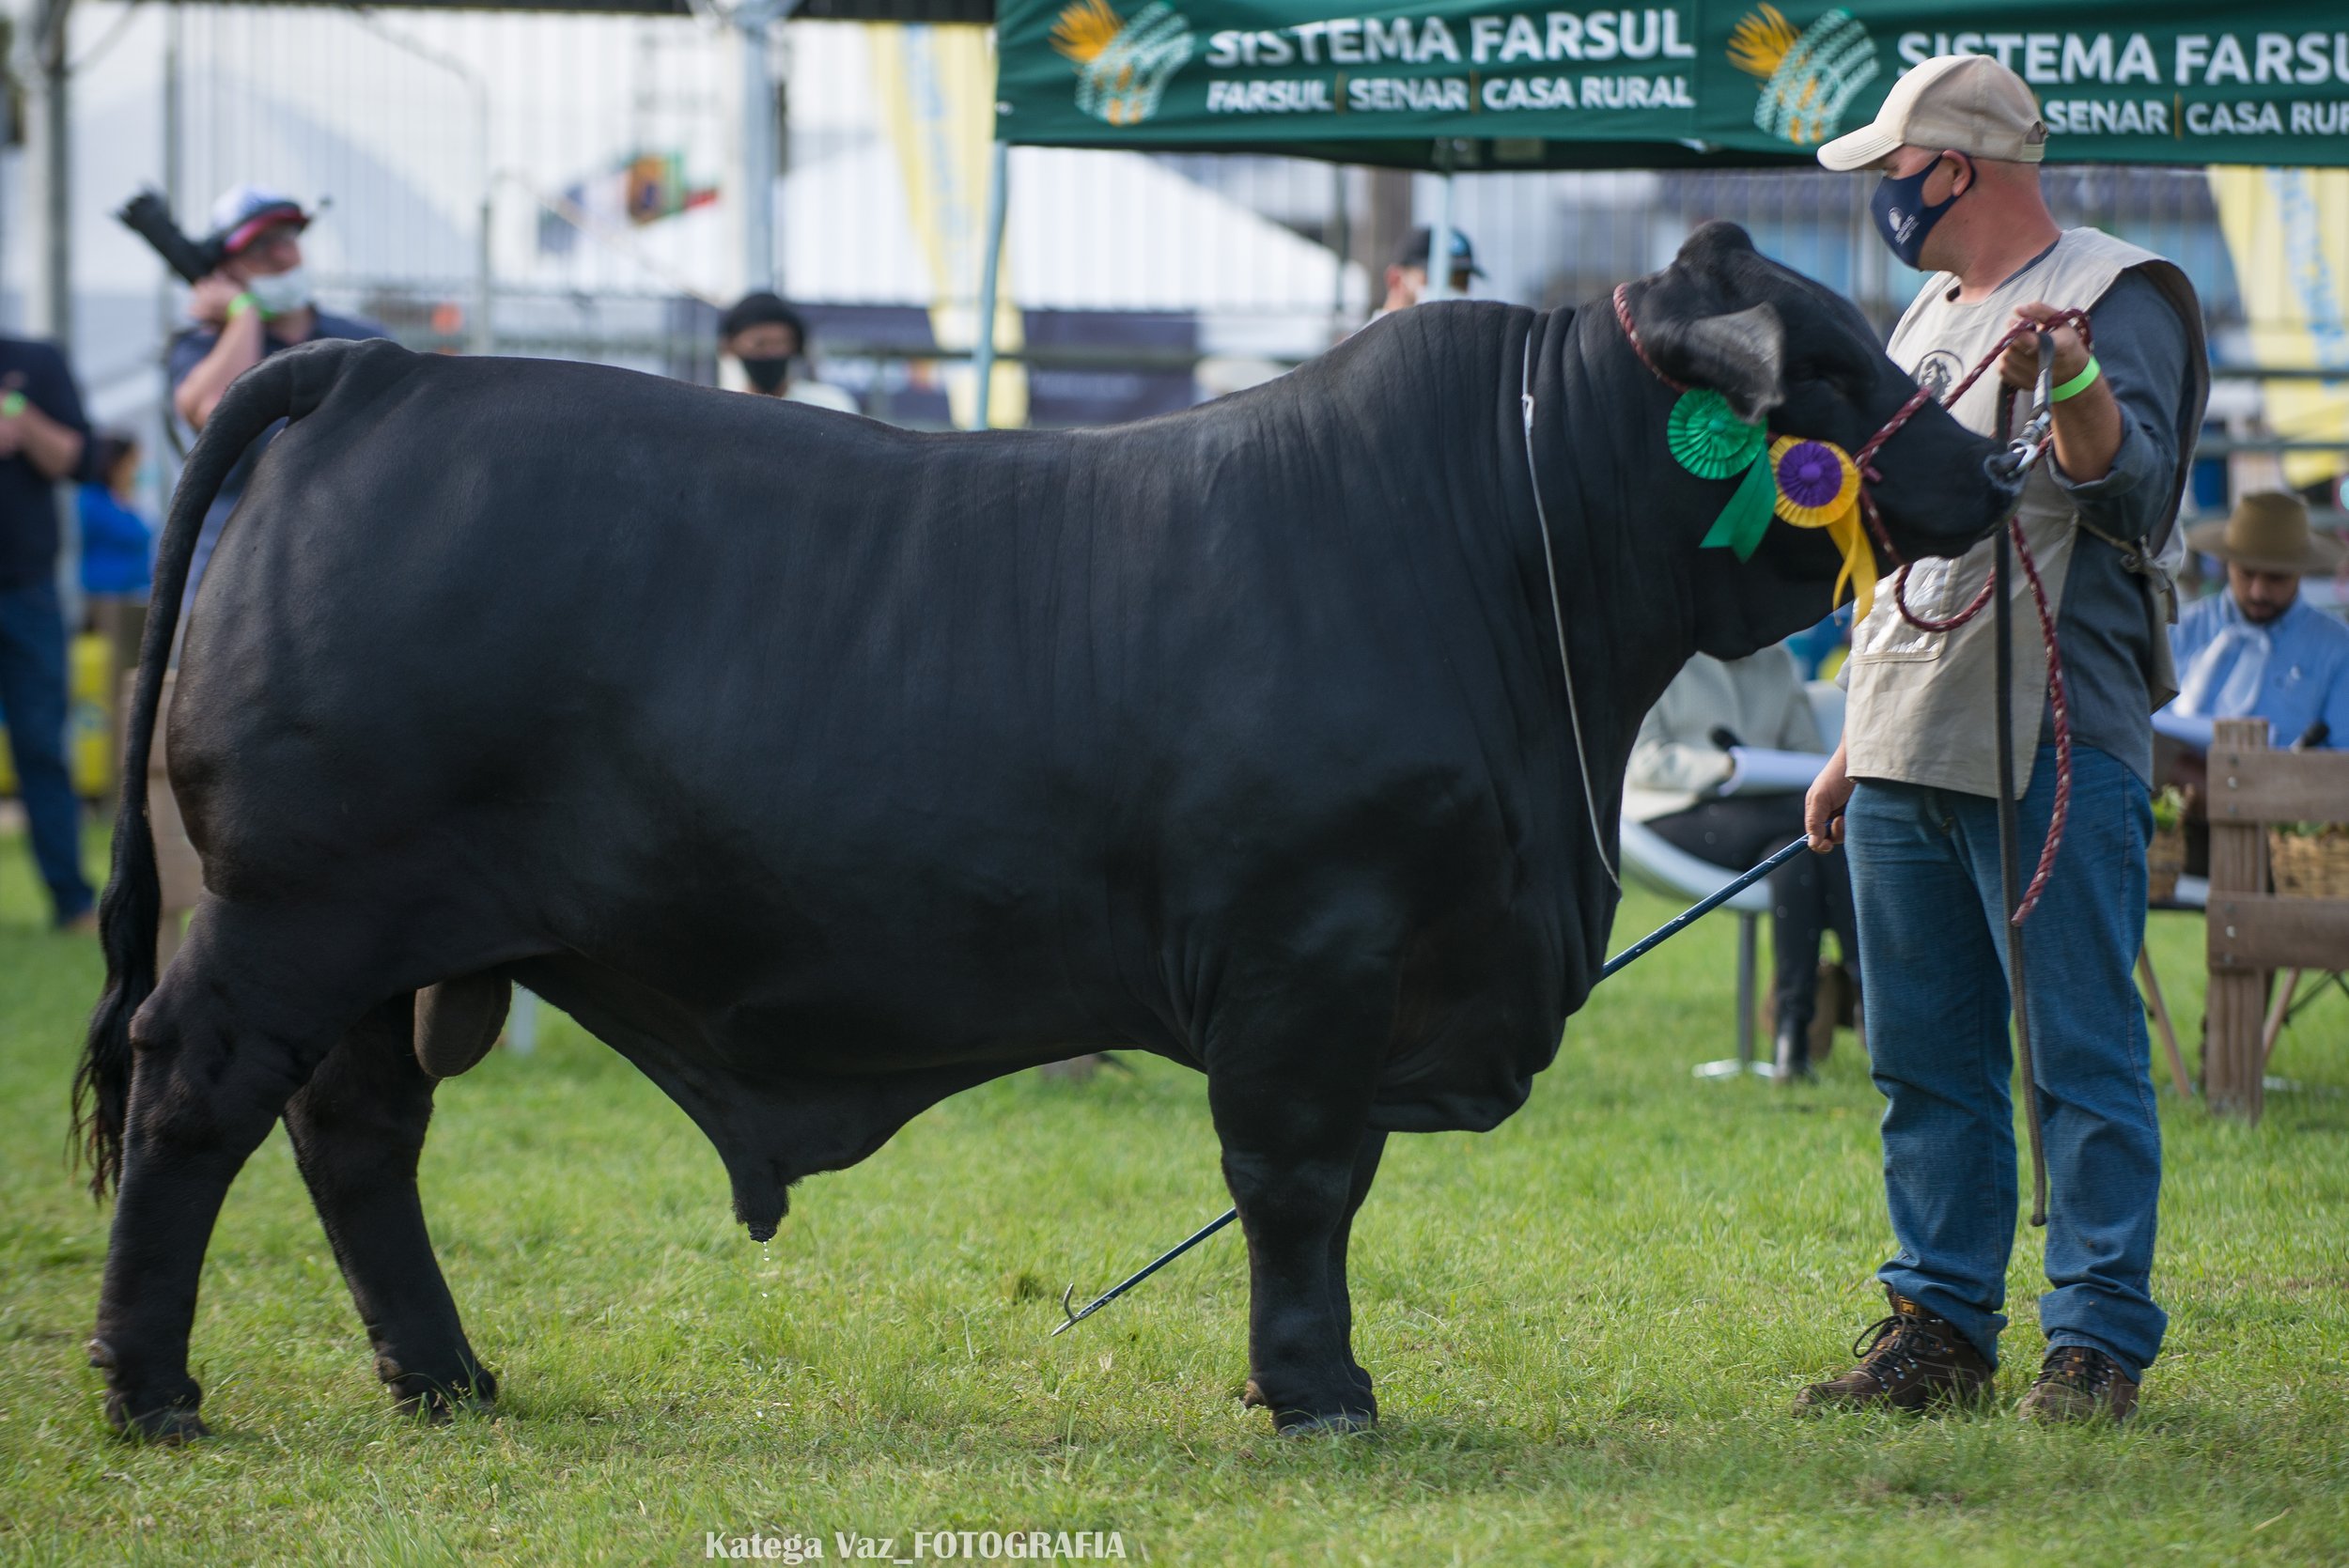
358	1129
1366	1160
1293	1143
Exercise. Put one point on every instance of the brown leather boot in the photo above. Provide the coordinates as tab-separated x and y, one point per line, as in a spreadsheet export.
1912	1359
2077	1383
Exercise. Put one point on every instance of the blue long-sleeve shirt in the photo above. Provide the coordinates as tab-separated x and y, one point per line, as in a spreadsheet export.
117	546
2106	629
2306	676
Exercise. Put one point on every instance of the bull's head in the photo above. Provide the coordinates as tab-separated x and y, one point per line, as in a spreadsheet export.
1786	349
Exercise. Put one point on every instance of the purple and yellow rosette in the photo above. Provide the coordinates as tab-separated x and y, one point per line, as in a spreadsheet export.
1818	486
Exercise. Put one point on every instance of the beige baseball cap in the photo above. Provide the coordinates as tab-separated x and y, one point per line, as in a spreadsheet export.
1967	104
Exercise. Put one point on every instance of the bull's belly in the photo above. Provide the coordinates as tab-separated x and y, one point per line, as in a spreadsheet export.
856	993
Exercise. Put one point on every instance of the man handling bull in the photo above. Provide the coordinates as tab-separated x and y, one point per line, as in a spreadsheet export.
1912	791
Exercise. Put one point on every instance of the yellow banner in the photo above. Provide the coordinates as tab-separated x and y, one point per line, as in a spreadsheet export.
937	91
2289	232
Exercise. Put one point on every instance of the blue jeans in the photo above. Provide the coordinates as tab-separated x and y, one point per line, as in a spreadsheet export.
33	696
1924	869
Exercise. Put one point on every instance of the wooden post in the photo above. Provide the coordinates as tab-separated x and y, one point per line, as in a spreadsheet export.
2252	932
2231	1079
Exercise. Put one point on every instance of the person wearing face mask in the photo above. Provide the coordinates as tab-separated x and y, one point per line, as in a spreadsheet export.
1910	794
770	341
255	303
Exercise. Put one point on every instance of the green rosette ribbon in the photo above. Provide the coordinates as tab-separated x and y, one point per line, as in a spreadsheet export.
1706	438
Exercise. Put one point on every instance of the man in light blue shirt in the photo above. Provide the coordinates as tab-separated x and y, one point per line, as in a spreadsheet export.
2259	650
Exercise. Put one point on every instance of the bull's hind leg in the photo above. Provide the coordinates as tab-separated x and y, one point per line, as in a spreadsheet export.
236	1028
358	1127
1294	1137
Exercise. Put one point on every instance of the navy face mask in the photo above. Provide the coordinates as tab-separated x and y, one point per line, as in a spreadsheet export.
1903	217
767	372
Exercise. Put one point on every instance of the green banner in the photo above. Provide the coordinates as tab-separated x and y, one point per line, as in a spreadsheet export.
1702	82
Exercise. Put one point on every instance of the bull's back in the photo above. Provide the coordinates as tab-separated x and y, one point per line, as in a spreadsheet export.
774	702
810	717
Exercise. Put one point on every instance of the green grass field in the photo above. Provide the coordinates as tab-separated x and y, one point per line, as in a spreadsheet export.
1586	1327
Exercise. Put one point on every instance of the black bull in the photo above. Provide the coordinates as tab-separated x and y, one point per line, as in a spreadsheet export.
824	770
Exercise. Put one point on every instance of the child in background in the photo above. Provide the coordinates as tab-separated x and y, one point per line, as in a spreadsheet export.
117	549
117	546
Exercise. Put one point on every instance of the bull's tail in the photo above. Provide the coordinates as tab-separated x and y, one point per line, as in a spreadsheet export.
286	386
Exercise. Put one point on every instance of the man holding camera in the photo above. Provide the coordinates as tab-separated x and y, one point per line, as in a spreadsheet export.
255	302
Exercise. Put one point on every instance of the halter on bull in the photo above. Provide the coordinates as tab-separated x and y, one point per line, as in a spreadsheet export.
1234	735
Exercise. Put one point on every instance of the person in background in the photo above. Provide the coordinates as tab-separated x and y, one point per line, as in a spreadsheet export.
1815	646
1680	763
2258	650
1407	278
44	440
770	339
257	304
118	545
117	548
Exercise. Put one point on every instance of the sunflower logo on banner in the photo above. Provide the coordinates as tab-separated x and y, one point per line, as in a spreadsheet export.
1122	66
1807	78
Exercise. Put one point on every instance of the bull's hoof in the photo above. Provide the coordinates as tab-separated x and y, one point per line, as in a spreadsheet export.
1297	1423
1358	1414
170	1424
437	1399
150	1414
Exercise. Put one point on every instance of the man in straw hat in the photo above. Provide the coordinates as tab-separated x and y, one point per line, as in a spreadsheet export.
1912	791
2259	650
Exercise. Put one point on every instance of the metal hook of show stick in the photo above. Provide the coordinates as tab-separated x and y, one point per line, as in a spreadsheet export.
1645	944
1202	1234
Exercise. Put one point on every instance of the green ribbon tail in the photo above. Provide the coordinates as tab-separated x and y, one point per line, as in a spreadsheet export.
1747	517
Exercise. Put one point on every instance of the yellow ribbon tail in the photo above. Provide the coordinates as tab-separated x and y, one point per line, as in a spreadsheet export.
1859	558
1859	564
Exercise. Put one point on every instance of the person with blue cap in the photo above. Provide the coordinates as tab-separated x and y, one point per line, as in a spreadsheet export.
1407	276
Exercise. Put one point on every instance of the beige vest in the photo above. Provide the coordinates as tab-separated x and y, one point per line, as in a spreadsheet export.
1924	705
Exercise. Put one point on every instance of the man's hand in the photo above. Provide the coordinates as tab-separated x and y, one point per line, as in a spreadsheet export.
209	297
2020	365
1823	808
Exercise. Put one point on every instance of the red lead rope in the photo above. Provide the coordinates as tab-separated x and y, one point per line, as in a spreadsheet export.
1864	460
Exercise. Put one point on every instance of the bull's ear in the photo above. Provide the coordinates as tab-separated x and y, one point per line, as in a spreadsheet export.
1715	245
1742	356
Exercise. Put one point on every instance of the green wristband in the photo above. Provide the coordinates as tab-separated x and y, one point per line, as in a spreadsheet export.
2077	385
241	304
12	405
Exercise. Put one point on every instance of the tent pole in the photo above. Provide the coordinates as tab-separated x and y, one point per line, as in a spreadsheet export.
1440	239
1341	248
757	132
983	354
